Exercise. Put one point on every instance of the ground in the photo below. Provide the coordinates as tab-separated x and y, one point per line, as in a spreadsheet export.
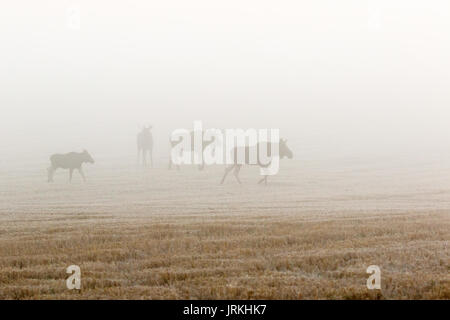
310	233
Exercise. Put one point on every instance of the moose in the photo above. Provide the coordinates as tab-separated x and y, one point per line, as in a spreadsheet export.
145	145
284	151
71	161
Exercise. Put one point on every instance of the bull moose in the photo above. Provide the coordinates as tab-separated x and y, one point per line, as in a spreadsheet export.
71	161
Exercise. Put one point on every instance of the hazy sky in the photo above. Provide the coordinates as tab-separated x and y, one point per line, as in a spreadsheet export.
334	76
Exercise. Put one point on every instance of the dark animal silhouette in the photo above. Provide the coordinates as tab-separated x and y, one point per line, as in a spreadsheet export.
180	139
284	151
145	145
71	161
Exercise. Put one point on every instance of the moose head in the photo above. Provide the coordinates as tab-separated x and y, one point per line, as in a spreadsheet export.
87	157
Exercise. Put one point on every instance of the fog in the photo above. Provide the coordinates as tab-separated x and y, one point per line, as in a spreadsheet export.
338	78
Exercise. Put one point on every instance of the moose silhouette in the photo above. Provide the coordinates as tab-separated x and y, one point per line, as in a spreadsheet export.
71	161
145	145
284	151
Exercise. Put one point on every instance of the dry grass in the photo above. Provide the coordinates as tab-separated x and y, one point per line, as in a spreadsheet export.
178	235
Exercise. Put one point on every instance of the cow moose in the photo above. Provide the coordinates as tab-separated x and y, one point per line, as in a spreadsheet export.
145	145
284	151
71	161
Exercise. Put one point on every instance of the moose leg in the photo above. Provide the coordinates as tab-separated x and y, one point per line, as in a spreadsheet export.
151	158
171	163
237	168
50	172
70	175
144	157
80	170
263	180
227	171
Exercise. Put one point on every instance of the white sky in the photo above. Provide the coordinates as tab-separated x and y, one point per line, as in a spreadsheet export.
334	76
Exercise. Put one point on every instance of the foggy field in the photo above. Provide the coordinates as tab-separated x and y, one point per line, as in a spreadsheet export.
357	93
157	234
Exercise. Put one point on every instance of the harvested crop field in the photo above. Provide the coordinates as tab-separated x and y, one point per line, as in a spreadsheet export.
310	233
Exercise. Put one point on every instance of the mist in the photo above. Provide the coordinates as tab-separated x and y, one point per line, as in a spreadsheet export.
93	204
339	79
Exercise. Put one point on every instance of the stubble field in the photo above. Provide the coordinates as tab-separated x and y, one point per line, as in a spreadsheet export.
310	233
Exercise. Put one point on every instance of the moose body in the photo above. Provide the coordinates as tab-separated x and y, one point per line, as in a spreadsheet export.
70	161
284	151
145	145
